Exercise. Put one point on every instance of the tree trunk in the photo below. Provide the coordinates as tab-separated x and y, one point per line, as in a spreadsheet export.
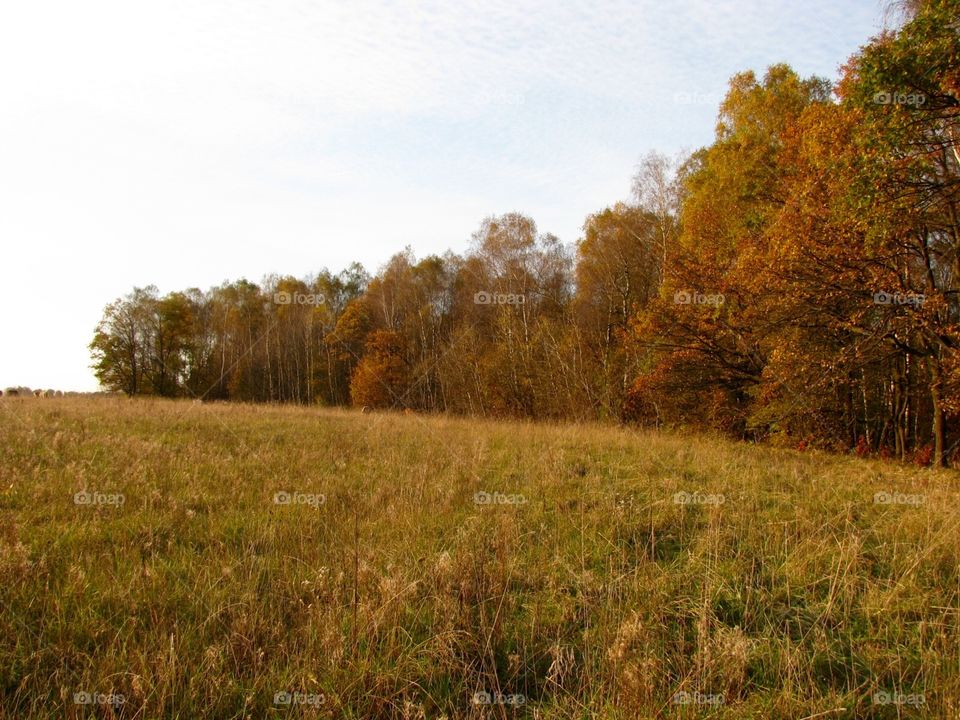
936	399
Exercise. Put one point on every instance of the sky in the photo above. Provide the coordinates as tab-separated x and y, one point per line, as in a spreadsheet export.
184	144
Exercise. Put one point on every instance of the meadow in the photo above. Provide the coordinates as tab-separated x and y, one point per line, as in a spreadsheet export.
169	559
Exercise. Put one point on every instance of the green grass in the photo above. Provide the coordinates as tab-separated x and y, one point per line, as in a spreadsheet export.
400	597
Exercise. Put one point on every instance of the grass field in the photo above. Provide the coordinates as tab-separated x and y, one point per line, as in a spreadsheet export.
438	567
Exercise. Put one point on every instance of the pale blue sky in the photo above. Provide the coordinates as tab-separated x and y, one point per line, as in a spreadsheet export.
182	144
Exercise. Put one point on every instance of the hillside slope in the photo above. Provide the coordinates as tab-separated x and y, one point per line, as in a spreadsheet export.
254	561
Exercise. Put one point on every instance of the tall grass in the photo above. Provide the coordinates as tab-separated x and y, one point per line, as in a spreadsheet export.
584	588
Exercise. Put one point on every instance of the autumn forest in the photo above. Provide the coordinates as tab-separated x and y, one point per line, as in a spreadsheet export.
794	282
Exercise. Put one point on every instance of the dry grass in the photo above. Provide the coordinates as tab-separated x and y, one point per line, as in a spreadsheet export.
400	597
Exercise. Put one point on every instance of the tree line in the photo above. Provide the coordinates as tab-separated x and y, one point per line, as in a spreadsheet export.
796	280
